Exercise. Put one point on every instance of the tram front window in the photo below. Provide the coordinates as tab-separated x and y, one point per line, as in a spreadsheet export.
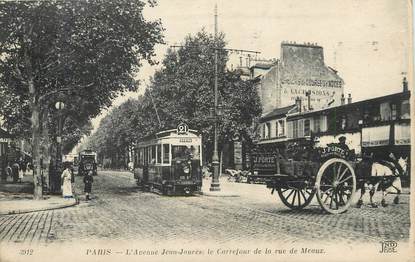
185	152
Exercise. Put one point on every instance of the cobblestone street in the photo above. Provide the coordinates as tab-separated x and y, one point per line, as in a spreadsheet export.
119	211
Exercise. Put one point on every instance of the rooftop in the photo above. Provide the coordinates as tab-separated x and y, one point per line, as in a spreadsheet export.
277	112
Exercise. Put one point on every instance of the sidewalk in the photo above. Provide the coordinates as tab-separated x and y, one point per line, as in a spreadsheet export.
23	203
225	189
17	198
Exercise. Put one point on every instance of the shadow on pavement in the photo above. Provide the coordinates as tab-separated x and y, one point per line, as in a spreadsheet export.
305	211
124	190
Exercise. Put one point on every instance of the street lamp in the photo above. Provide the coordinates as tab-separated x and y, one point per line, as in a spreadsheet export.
215	186
56	181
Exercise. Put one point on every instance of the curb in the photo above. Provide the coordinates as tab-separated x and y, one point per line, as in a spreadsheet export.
15	212
219	194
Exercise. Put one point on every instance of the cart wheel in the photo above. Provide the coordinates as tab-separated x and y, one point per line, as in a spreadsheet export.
296	198
335	185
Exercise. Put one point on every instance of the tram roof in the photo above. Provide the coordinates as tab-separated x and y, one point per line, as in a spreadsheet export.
166	133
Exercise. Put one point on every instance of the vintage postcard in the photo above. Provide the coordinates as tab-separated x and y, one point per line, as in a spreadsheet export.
206	130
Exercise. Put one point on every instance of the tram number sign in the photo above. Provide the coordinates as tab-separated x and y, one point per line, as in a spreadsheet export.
182	129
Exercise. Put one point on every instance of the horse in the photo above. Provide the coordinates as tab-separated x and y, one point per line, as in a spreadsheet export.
385	174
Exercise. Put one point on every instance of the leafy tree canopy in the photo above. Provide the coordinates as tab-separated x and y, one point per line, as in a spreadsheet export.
84	53
183	91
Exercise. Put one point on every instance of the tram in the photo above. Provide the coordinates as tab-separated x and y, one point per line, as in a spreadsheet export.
170	162
87	162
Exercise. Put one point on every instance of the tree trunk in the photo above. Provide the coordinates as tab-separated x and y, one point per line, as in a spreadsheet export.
45	148
37	177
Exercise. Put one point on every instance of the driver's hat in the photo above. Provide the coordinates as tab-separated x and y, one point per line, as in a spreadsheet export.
342	139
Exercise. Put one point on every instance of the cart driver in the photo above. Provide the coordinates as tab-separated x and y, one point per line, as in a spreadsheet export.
342	144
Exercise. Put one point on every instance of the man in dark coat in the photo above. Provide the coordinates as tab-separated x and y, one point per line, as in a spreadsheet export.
15	172
88	180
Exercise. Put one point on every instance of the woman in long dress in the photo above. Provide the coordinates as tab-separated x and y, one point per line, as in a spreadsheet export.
66	185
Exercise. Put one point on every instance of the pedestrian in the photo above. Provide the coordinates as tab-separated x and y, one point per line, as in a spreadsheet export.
66	183
23	167
15	172
20	173
9	171
88	180
4	174
72	179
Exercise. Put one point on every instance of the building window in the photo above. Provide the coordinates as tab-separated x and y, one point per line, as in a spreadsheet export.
385	111
295	129
394	111
300	128
307	127
290	129
317	127
343	122
405	110
323	123
280	128
268	134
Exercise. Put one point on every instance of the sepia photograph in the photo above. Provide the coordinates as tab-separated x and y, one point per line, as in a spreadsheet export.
206	130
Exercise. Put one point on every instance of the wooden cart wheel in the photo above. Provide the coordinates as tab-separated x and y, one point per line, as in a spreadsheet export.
335	185
296	198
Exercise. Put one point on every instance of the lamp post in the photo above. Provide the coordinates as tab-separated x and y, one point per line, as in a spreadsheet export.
56	181
215	186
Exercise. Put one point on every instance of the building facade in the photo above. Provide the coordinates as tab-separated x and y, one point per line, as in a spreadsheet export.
299	73
377	126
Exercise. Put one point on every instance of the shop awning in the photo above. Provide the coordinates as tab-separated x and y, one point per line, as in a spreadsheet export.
402	134
375	136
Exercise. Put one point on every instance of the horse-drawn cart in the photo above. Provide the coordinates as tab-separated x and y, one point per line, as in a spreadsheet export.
331	173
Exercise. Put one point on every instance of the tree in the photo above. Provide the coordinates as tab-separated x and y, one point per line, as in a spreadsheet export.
182	91
84	52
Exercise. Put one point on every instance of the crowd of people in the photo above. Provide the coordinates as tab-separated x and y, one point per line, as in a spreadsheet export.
15	171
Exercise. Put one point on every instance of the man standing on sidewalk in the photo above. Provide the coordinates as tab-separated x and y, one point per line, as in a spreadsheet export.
15	172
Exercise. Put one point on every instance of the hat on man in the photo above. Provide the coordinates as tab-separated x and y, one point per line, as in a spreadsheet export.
342	139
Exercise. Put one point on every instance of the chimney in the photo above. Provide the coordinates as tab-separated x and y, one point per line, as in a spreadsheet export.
298	104
343	100
405	85
349	99
308	94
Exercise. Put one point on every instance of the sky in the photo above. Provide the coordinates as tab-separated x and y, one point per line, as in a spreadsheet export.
366	41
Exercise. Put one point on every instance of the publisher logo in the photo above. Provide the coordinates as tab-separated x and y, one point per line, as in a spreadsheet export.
388	246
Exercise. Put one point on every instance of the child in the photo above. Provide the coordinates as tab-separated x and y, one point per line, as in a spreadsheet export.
88	180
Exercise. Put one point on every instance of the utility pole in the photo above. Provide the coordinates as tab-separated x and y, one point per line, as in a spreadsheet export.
215	186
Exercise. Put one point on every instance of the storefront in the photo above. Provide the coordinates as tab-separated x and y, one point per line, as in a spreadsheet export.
5	140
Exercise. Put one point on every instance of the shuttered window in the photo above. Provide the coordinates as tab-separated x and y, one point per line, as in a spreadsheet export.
307	131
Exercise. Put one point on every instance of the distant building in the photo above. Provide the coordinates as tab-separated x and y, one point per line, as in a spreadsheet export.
379	125
299	73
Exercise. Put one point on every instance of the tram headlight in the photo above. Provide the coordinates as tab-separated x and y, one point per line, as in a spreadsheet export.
186	169
187	191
